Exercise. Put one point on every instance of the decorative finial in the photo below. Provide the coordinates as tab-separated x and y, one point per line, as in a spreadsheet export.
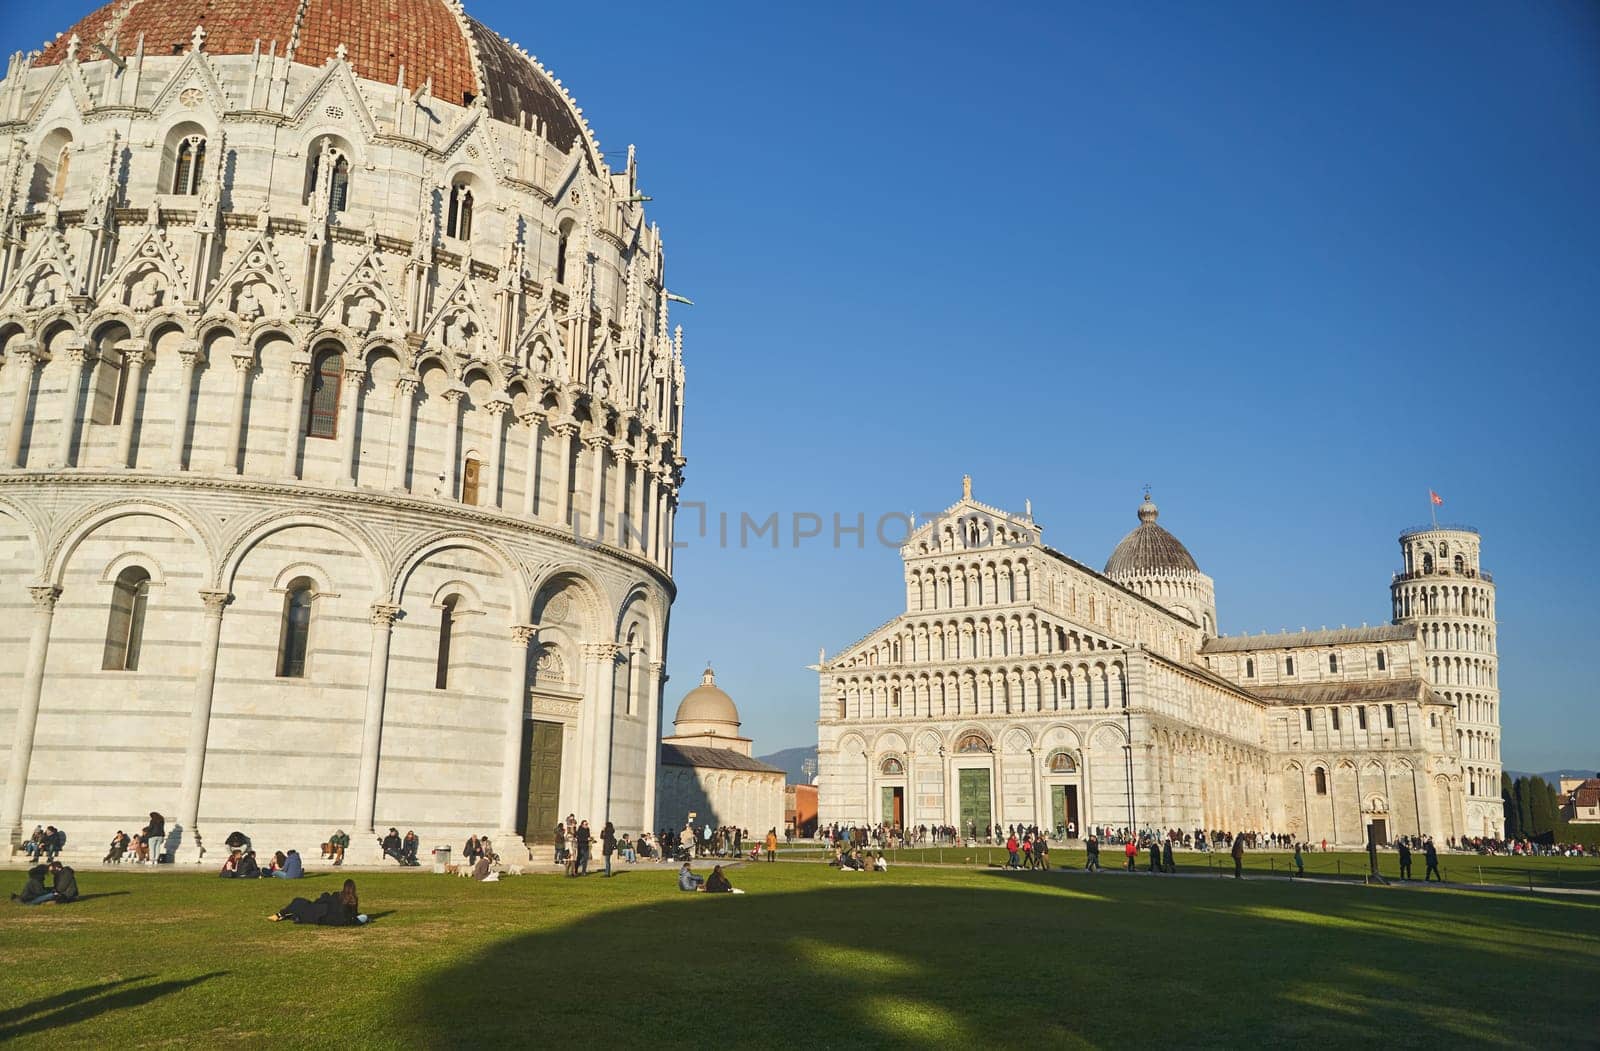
1147	510
197	39
966	487
709	678
341	52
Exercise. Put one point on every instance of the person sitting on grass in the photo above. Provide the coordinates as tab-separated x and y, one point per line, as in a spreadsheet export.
249	868
230	867
718	883
33	892
329	910
287	866
879	864
63	883
687	880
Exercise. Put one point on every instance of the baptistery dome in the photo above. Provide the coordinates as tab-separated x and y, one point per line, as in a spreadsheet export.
341	424
706	709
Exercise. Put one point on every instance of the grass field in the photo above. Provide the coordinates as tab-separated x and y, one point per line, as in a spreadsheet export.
808	957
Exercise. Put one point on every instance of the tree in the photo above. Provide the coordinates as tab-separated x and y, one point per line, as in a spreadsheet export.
1524	806
1544	813
1508	800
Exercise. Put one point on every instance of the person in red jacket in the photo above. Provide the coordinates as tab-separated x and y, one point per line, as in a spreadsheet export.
1011	849
1132	850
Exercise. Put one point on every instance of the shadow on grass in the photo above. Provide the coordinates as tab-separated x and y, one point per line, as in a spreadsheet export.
896	961
100	894
91	1001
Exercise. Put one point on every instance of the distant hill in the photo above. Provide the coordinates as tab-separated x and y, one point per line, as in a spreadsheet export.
791	761
1554	776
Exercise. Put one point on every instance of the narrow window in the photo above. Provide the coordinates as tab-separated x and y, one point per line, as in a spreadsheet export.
1288	666
1335	713
1427	563
1361	718
561	256
122	394
1250	668
63	166
322	420
1322	781
1433	718
447	619
469	481
1383	661
1388	716
1461	565
125	630
1308	718
1333	662
191	163
459	223
339	187
296	630
841	707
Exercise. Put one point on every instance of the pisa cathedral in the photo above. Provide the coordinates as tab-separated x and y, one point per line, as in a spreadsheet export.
1023	687
342	432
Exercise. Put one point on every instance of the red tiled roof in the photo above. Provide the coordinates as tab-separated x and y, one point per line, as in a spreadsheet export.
425	36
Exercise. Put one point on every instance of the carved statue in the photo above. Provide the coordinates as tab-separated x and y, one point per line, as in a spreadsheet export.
362	312
147	292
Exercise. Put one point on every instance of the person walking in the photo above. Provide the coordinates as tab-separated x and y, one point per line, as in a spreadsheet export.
1430	855
1405	862
1091	849
1238	857
608	845
1041	853
585	843
1299	862
772	845
1166	857
1131	849
1155	857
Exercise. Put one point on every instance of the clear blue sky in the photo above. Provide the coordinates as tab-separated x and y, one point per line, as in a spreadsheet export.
1292	267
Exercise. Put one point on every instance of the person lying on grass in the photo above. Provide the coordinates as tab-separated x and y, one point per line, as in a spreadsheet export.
329	910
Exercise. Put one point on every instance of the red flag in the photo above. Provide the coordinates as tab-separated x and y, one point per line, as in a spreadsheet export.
1435	497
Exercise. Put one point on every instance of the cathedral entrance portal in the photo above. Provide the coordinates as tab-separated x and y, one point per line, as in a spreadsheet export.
541	779
976	810
1378	832
894	806
1064	808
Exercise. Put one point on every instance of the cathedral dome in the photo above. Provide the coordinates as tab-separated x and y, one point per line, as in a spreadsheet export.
1149	549
431	40
706	705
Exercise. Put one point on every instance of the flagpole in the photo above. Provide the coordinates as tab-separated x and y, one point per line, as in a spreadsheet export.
1433	510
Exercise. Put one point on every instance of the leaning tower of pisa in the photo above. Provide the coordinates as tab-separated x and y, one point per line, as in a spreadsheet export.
1445	592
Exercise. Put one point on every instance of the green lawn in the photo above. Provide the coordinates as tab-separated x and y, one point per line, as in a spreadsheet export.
808	957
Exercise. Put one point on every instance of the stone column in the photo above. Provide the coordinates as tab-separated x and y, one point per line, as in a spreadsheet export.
21	360
658	516
596	444
383	615
667	537
870	817
188	357
133	359
652	743
194	758
636	522
75	351
564	432
619	491
602	657
405	391
294	423
489	477
242	366
452	466
44	611
353	382
530	486
509	837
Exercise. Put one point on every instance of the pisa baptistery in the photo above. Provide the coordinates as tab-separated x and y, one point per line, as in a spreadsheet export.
342	434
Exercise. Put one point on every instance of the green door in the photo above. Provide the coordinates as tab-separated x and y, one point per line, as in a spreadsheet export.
541	773
974	797
1058	807
887	814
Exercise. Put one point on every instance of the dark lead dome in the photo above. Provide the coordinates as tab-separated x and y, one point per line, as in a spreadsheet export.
1149	550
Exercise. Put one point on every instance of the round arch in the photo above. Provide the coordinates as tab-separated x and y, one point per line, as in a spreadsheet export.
61	551
264	525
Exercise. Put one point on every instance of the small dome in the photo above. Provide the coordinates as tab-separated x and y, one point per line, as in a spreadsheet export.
706	704
1149	549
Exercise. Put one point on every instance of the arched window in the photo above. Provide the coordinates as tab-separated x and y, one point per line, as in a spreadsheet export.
1427	563
1460	564
1322	781
561	253
1249	667
63	166
972	743
322	418
1383	660
459	222
447	617
125	630
1062	763
1433	718
470	473
190	166
1333	662
338	178
892	767
296	631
